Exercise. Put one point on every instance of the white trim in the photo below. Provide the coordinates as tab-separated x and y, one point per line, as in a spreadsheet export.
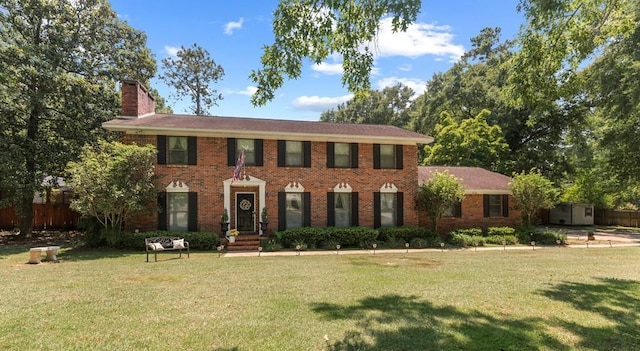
177	187
342	188
294	187
388	188
247	181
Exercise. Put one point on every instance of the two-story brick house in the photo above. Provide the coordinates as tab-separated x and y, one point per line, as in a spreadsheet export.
304	173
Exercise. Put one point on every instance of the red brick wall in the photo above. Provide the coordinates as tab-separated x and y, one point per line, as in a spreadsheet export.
206	178
473	216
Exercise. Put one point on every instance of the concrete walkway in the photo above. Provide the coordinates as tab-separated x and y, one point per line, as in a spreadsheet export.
586	245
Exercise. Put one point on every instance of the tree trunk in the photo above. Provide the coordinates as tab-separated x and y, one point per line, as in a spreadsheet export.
26	217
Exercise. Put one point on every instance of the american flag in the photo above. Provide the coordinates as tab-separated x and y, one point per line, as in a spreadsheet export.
238	169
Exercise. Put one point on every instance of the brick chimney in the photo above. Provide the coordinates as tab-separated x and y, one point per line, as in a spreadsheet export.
136	100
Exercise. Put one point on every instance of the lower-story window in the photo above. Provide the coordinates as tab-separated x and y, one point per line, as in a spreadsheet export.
178	214
388	210
294	209
342	205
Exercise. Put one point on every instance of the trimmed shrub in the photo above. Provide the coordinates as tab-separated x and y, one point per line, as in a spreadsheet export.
464	240
468	231
406	234
314	237
497	239
502	231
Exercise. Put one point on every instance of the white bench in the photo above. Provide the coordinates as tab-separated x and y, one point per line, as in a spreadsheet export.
35	253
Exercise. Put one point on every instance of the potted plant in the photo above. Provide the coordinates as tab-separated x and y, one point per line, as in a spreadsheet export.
232	235
264	219
224	222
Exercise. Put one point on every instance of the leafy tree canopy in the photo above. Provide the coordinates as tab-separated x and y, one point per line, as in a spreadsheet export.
61	61
316	29
439	193
472	142
113	181
532	191
191	74
390	107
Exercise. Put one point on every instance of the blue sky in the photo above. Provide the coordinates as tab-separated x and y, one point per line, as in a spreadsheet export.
234	33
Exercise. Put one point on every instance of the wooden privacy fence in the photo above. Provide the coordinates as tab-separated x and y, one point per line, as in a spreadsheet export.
46	216
617	217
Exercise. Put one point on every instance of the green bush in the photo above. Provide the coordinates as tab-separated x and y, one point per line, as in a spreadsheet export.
315	237
406	234
502	231
465	240
497	239
468	231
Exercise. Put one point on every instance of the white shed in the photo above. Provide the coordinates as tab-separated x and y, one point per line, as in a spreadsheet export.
572	214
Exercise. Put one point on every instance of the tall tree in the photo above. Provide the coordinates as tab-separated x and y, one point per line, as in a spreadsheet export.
316	29
478	82
112	182
472	142
191	74
61	61
438	194
390	106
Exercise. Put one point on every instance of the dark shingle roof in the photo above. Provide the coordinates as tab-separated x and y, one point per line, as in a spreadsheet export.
263	128
474	179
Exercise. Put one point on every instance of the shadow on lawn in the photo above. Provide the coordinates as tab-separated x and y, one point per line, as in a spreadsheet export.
418	324
616	300
423	326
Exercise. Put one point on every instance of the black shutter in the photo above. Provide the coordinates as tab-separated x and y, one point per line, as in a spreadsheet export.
282	210
376	156
259	148
399	155
457	209
231	151
192	149
399	209
377	220
306	214
331	219
331	151
505	205
485	203
306	149
161	145
354	210
354	155
282	151
192	225
162	211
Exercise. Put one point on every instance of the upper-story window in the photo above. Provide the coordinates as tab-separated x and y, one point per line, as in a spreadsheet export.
294	153
342	155
387	156
176	150
252	151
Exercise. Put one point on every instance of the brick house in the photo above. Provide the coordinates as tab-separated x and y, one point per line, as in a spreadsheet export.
488	201
304	173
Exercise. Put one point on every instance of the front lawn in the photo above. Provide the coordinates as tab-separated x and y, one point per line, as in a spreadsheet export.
548	299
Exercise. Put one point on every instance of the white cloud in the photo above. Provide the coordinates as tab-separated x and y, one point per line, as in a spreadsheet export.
319	103
405	68
420	39
231	26
171	50
250	90
328	68
417	85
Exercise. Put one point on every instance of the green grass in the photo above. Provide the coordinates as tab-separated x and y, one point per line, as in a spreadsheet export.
547	299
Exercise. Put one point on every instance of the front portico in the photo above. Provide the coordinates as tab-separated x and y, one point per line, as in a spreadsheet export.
245	200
